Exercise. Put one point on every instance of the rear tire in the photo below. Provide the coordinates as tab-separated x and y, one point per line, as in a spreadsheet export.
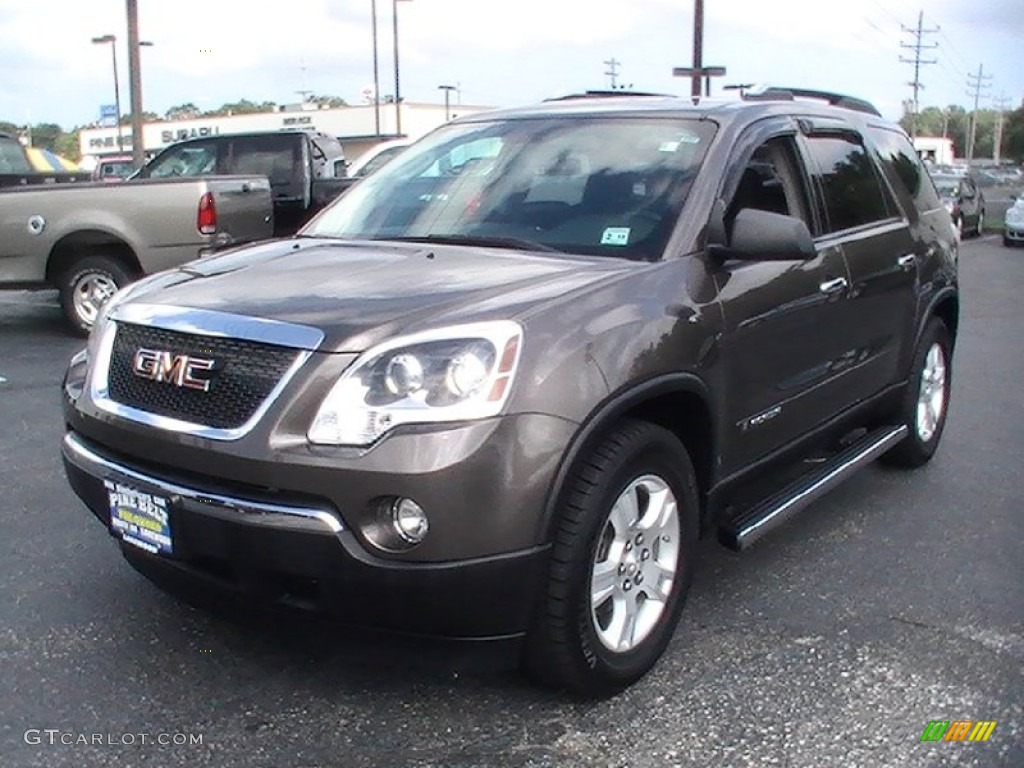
621	563
926	401
86	285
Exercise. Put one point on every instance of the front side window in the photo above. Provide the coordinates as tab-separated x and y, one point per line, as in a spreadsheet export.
594	185
853	193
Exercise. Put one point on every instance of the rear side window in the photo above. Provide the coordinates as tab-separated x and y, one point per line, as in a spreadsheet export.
905	169
853	193
275	157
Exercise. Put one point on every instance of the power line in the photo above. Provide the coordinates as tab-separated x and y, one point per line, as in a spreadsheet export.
1002	104
978	83
917	46
953	49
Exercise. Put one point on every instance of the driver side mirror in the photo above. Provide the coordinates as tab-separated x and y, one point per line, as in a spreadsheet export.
765	236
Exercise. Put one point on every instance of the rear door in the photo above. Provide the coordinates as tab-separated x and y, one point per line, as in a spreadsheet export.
861	217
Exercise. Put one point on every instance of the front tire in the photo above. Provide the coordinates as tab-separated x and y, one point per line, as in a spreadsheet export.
86	285
926	401
621	563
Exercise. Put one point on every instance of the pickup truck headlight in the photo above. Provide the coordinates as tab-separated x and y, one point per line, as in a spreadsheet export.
459	373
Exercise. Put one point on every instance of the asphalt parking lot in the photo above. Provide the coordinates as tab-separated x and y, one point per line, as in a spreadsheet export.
895	601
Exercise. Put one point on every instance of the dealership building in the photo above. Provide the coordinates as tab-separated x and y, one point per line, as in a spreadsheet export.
358	128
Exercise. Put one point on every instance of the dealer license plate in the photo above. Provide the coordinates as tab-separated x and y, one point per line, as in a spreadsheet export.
140	518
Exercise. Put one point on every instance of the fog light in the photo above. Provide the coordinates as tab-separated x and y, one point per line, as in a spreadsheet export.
409	520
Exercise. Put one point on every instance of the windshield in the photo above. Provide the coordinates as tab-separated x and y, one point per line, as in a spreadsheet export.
947	186
600	186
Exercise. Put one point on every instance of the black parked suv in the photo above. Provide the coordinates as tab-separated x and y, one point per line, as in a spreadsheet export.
500	388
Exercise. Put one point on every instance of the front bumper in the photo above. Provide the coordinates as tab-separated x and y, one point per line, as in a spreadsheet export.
1014	232
298	552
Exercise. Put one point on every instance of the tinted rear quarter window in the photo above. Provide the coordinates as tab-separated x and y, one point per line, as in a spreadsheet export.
905	169
853	193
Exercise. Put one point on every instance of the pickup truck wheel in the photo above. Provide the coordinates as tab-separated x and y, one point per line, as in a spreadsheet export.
86	285
926	401
620	565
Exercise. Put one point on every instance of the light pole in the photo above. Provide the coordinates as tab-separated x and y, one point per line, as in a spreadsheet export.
117	90
398	96
447	95
376	70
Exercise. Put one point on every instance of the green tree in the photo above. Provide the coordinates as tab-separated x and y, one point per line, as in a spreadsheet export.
327	101
241	107
68	146
185	111
1013	134
46	135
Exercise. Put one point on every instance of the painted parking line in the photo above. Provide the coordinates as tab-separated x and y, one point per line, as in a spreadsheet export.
2	380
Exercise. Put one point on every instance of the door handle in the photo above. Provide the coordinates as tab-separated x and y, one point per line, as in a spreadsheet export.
906	261
834	286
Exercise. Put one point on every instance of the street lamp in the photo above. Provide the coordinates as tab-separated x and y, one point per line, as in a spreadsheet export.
117	90
376	69
447	95
398	96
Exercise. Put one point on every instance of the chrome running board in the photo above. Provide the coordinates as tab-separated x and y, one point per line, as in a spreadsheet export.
764	517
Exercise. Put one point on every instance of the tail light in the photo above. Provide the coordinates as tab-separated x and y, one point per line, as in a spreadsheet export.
206	220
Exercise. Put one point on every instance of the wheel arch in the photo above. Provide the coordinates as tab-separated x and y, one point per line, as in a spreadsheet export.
946	307
89	242
680	403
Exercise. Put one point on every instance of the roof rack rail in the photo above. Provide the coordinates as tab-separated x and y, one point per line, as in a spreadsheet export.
605	95
783	93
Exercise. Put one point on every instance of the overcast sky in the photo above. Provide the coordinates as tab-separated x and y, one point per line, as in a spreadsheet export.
500	53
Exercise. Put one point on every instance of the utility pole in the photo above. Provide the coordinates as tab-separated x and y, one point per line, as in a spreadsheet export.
698	70
698	48
613	70
917	46
977	83
1002	104
135	84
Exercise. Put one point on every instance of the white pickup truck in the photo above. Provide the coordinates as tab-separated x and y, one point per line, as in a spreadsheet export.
89	239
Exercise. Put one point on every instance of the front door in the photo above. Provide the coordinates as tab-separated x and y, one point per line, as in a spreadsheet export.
784	344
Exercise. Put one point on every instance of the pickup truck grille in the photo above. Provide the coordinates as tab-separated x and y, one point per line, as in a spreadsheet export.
242	377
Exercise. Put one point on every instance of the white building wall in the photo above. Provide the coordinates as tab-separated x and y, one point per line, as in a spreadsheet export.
355	123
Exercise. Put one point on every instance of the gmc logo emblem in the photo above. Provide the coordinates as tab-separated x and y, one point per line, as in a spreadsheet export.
179	370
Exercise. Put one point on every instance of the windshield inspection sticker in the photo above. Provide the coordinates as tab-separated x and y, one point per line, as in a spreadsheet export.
615	236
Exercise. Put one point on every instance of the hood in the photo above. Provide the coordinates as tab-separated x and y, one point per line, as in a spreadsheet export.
359	293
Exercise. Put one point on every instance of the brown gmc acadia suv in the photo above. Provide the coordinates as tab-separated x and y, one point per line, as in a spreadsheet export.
501	387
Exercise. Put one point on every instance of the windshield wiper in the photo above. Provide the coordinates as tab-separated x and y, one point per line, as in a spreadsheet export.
483	241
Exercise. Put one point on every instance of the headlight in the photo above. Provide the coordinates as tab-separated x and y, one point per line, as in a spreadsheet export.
459	373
